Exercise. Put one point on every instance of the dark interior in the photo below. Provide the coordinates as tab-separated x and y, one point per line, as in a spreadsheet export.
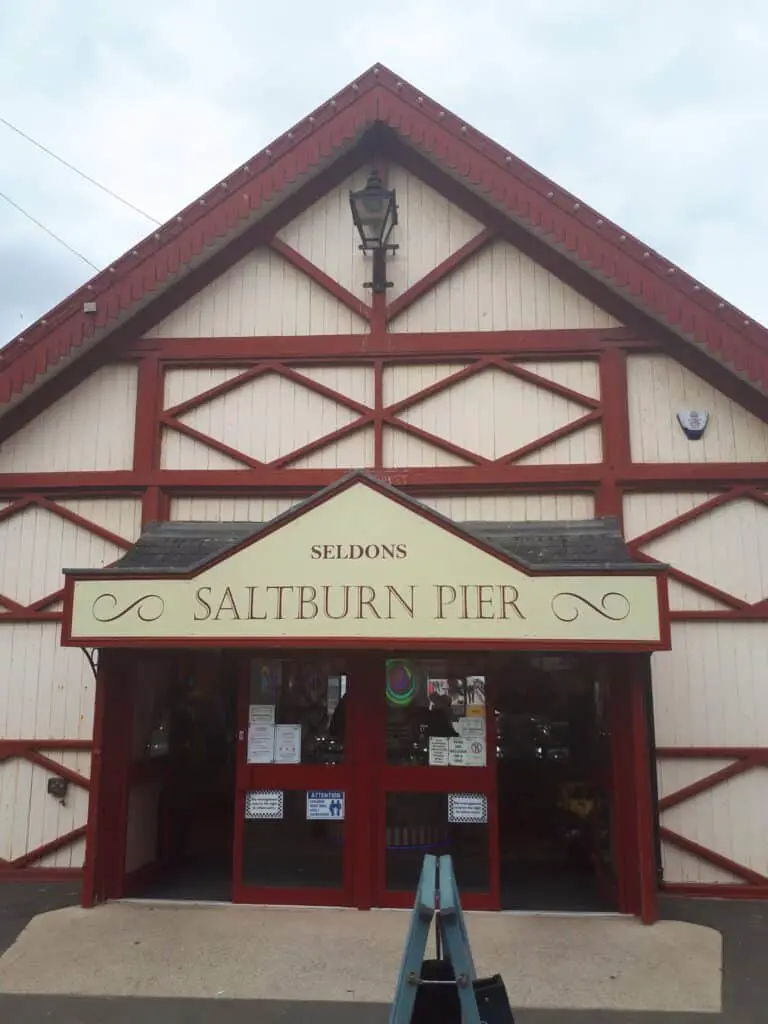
553	758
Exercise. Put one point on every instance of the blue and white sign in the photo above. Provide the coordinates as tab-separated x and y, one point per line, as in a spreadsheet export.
325	805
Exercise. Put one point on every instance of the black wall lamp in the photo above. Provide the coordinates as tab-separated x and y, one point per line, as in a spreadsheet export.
374	212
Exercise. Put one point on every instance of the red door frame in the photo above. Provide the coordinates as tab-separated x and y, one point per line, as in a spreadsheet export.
363	777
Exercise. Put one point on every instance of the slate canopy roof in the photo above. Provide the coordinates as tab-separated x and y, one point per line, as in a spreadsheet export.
567	547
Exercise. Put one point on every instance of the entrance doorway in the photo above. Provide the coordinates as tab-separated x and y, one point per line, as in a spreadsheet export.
555	794
182	799
323	778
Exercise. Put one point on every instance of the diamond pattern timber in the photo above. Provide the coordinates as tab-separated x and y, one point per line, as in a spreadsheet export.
356	382
474	413
729	819
683	598
501	289
261	295
36	544
582	446
644	512
24	784
403	449
406	379
355	451
182	383
430	230
181	452
726	547
268	417
580	375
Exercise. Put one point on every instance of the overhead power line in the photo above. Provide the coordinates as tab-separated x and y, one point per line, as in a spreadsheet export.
48	231
76	170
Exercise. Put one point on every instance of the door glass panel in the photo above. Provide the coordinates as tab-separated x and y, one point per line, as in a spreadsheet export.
293	851
434	716
299	707
417	824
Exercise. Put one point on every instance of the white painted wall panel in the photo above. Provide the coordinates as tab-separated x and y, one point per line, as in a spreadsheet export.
646	511
30	817
225	509
658	388
46	692
355	451
513	507
726	547
121	516
356	382
181	452
501	289
584	445
268	417
430	229
674	774
183	383
580	375
710	690
683	598
37	544
492	413
680	866
90	428
261	296
729	819
405	379
400	448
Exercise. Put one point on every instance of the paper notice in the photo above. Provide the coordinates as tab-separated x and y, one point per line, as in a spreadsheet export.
438	751
471	728
261	743
288	744
466	753
263	713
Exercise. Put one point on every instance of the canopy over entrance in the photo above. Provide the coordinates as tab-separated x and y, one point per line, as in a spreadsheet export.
361	564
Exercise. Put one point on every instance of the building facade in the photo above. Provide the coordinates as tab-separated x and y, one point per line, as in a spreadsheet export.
470	563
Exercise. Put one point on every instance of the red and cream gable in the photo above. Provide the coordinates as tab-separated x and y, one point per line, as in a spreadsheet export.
528	362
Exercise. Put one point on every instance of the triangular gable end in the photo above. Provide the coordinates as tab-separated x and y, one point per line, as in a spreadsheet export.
569	231
362	564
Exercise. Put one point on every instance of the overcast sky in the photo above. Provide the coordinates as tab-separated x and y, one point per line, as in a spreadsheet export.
653	112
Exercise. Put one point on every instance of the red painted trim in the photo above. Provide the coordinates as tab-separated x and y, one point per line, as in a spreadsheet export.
643	802
435	346
690	516
322	442
617	458
47	848
211	442
435	441
715	753
149	405
85	524
57	769
518	370
295	375
716	890
712	857
378	405
708	782
551	216
18	748
554	435
440	273
474	368
92	852
248	374
328	284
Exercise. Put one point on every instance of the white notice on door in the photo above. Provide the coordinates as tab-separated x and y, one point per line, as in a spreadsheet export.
438	751
466	753
261	743
264	804
471	728
287	744
467	809
261	713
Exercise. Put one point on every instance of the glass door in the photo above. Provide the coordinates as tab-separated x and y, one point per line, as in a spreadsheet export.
435	784
294	805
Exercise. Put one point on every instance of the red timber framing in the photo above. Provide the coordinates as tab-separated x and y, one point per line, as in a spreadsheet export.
753	884
383	118
42	754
